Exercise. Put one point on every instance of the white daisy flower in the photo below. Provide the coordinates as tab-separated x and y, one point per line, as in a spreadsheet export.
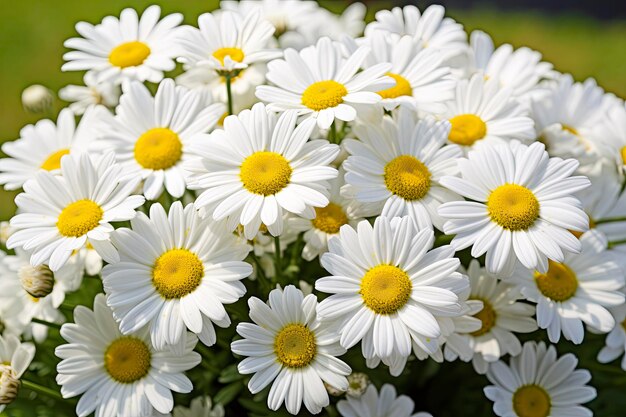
183	268
430	28
15	357
81	97
536	383
397	165
42	145
615	343
612	133
522	209
228	41
387	289
484	114
61	214
496	305
291	349
320	83
387	403
153	135
128	48
575	290
260	166
117	374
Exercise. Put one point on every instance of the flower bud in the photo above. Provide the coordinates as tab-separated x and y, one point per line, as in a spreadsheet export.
5	232
357	384
9	385
38	281
37	99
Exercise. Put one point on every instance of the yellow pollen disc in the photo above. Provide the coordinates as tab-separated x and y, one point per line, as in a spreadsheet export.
531	401
467	129
158	148
176	273
265	173
513	207
402	87
323	95
385	289
329	219
129	54
623	152
407	177
488	318
54	160
559	283
569	129
235	54
79	218
127	359
295	346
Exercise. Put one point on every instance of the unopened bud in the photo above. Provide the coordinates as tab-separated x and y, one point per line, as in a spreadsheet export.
5	232
357	384
38	281
9	385
37	98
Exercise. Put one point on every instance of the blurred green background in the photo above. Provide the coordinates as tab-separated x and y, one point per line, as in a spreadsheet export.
32	34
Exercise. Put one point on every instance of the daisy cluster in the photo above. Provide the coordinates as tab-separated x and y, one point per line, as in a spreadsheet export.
312	199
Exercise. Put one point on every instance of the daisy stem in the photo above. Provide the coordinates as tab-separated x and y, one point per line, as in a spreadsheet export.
260	270
229	93
277	259
47	323
617	243
332	133
42	390
611	220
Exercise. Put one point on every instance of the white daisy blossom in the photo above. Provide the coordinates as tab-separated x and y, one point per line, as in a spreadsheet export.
612	133
616	339
15	357
291	349
537	383
200	407
42	145
183	268
81	97
430	28
153	134
523	206
119	375
260	166
61	214
387	403
397	165
575	290
484	114
320	83
128	48
387	290
228	41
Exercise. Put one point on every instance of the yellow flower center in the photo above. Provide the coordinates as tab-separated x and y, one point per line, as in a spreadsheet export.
127	359
79	217
176	273
129	54
513	207
488	318
624	324
54	160
265	173
158	148
295	346
329	219
235	54
402	87
559	283
467	129
623	152
385	289
323	95
531	401
570	129
407	177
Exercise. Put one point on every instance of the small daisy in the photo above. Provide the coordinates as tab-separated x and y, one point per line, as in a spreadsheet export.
42	145
576	290
319	83
200	407
397	165
183	269
430	29
373	404
153	135
81	97
228	41
612	133
15	357
291	349
387	289
483	114
523	206
128	48
62	214
259	166
117	374
538	384
616	339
